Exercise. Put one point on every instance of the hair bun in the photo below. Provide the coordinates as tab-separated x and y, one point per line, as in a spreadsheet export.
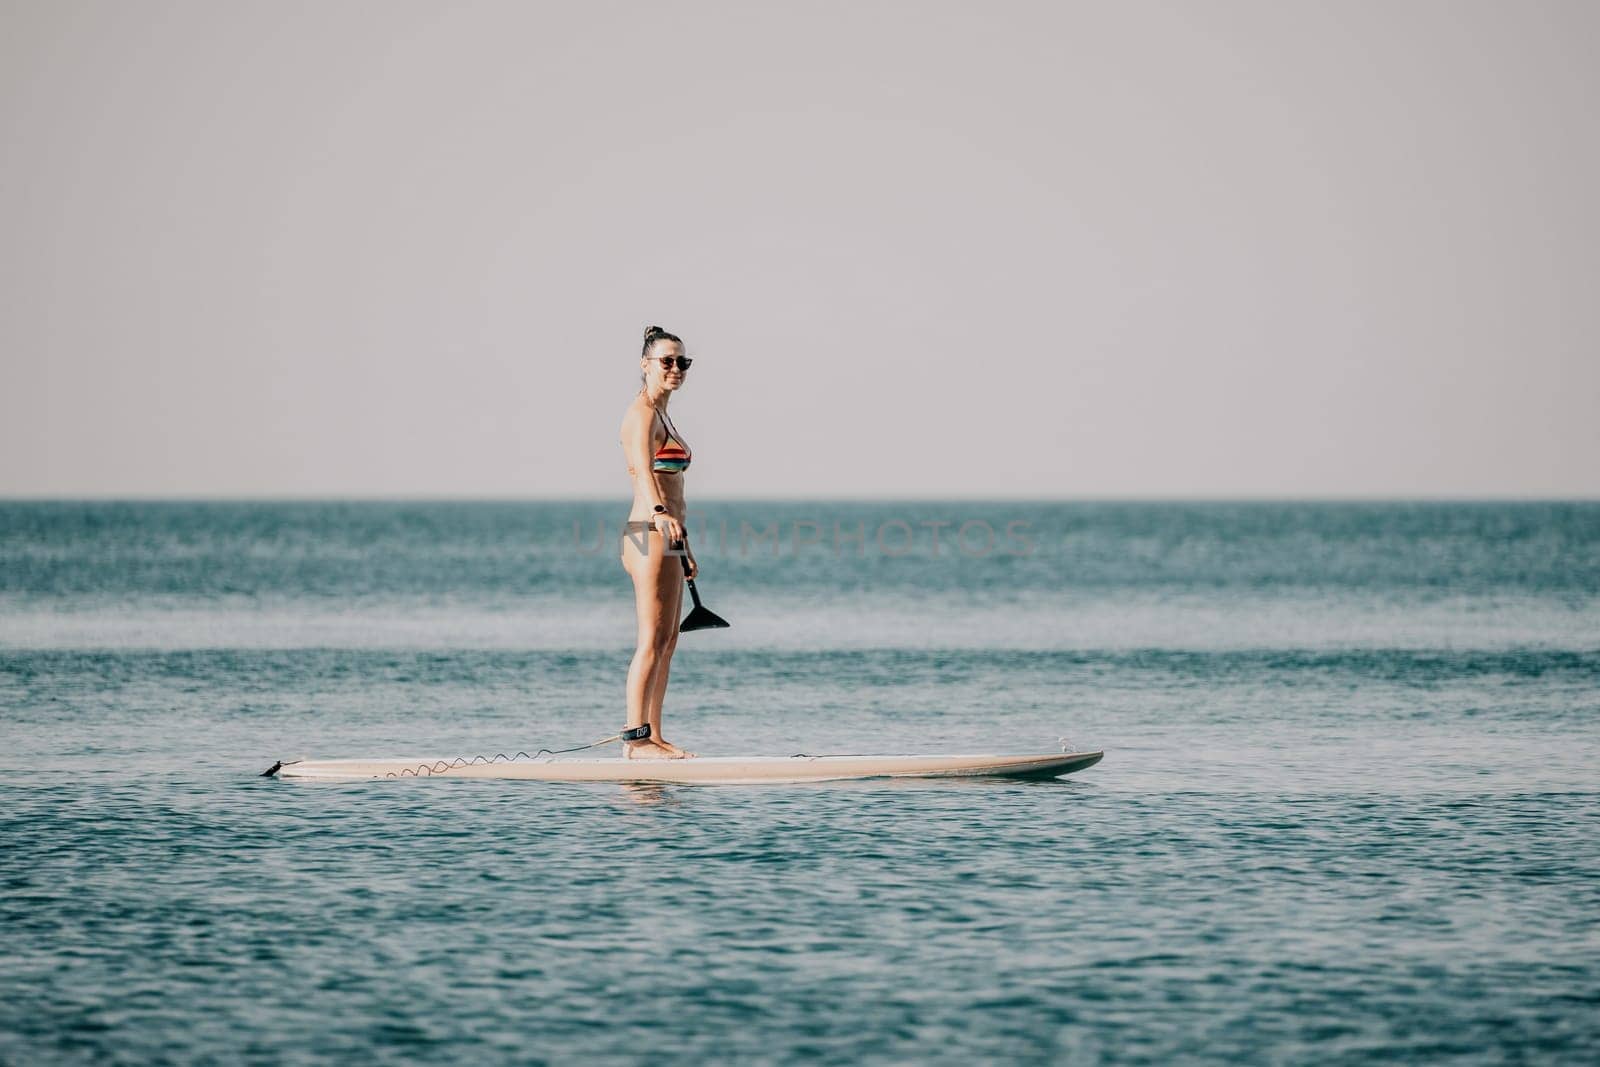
652	334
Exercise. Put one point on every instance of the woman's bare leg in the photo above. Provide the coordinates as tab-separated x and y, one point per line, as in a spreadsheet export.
656	598
658	690
658	693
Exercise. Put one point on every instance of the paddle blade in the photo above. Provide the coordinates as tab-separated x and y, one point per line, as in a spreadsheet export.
698	618
701	618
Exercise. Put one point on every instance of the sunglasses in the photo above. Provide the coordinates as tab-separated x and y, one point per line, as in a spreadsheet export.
667	361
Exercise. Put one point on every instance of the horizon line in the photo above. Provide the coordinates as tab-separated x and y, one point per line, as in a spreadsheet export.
853	498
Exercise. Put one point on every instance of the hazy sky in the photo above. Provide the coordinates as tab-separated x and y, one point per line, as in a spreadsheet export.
918	249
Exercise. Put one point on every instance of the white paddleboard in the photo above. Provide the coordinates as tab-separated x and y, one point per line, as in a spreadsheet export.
701	770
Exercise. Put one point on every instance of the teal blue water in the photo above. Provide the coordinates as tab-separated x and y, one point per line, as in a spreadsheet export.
1348	812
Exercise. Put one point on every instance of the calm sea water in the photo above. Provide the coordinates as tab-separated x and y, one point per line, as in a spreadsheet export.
1348	813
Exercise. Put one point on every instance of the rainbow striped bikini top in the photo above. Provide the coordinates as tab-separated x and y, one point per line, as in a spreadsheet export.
673	457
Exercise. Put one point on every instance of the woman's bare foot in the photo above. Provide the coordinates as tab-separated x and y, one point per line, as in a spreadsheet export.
677	752
647	750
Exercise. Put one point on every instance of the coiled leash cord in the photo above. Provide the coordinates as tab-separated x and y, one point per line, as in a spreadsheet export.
442	766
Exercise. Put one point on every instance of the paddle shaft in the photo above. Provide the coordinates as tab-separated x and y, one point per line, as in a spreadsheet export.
677	546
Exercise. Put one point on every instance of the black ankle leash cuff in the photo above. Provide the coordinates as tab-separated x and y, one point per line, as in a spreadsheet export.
638	733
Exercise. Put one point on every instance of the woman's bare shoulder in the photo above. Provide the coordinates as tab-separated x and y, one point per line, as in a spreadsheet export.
638	417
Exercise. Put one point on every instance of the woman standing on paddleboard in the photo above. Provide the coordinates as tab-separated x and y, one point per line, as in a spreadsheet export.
655	542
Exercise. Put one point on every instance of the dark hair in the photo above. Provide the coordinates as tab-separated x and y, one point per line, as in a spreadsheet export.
652	334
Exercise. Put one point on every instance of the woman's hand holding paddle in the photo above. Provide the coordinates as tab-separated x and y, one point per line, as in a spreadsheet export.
671	529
